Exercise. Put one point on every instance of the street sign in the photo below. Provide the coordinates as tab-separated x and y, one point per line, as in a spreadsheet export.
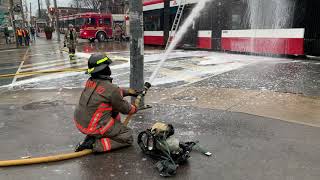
17	17
17	8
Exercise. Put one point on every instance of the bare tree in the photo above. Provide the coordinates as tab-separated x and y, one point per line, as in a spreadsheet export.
88	4
77	4
92	4
100	5
48	3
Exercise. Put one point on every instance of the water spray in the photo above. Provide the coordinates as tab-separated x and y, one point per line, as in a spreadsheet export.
195	13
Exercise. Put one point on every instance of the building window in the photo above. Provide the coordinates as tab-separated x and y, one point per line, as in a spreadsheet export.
91	21
107	21
153	21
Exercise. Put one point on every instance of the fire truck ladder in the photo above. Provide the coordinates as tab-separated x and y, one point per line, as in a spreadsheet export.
176	22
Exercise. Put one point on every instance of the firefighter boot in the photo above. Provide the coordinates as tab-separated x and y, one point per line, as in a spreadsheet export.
71	56
86	144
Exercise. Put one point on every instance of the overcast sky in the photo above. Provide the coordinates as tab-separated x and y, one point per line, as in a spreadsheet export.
34	4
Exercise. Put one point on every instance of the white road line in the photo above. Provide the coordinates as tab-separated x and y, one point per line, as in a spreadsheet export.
21	64
41	54
47	66
44	78
44	62
59	68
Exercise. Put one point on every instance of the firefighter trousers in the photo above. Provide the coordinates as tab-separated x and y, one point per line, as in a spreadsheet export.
72	50
118	136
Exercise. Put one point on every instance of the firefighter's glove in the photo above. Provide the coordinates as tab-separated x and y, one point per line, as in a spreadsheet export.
134	93
134	109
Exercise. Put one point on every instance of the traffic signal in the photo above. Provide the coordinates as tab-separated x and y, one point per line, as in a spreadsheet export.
51	10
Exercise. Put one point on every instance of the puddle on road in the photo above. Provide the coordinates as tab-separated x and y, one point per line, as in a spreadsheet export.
185	98
42	104
175	68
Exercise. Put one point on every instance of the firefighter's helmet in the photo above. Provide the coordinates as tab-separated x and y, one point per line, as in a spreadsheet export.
98	62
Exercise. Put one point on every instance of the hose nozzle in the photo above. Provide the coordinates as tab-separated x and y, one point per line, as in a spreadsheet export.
144	92
147	86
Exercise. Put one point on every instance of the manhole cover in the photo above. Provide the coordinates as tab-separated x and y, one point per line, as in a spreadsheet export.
42	105
185	98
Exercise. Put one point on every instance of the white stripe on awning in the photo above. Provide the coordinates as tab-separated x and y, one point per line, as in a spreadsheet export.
153	33
207	34
264	33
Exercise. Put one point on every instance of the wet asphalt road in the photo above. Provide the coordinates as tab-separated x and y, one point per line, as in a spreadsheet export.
10	61
294	77
244	146
208	69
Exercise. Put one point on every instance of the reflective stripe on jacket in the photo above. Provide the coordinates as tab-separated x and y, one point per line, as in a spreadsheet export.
99	102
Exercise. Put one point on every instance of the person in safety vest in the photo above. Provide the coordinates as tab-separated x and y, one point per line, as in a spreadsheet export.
70	41
19	35
26	36
97	114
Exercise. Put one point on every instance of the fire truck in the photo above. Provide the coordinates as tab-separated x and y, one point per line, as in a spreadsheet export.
94	26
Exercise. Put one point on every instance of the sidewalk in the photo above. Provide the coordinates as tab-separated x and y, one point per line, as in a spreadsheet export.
12	45
4	46
40	123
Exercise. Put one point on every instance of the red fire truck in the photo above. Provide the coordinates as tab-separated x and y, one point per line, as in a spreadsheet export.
93	26
96	26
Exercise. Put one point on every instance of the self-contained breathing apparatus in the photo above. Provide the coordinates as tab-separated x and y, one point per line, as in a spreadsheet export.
159	144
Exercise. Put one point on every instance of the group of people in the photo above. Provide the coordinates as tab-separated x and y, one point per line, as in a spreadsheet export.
24	35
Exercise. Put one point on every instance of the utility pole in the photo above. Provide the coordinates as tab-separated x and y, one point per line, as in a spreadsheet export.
39	13
27	11
22	14
136	46
166	21
13	22
57	19
30	15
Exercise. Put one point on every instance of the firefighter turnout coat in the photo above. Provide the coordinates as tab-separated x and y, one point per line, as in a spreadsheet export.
97	114
70	39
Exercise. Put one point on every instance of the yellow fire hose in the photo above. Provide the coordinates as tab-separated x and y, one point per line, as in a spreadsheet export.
47	159
61	157
42	72
54	158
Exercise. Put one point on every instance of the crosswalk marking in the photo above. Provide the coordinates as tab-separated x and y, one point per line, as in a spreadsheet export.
45	62
61	67
30	70
51	65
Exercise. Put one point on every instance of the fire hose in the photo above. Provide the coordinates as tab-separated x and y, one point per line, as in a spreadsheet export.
61	157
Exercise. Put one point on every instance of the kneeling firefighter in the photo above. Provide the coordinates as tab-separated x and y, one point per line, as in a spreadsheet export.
97	114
